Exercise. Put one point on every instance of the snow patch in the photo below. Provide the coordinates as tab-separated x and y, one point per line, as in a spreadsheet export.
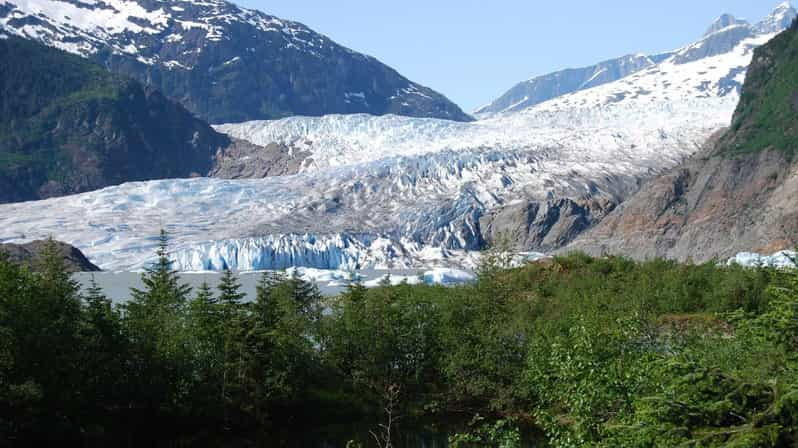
783	259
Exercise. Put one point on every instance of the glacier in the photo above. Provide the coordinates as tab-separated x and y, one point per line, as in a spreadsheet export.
399	192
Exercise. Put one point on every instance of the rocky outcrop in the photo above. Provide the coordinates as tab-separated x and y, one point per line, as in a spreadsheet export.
710	207
244	160
28	255
543	225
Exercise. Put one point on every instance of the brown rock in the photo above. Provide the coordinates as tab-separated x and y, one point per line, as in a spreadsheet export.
28	254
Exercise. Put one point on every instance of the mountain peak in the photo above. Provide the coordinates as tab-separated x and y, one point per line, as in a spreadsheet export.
222	62
724	21
780	19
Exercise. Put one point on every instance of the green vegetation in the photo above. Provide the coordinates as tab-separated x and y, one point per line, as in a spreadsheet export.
766	116
43	83
68	126
569	352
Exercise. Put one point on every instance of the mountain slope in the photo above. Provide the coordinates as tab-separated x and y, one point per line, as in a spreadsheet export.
67	126
543	88
222	62
739	195
723	36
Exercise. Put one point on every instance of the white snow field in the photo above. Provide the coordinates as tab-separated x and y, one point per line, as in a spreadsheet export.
395	192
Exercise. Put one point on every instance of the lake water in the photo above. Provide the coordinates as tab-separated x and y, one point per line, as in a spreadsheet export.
117	284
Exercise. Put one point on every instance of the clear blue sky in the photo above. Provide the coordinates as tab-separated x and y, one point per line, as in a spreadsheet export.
472	50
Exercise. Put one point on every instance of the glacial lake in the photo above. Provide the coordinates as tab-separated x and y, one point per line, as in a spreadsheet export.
117	285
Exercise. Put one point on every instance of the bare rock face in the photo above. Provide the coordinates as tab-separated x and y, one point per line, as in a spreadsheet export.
543	225
244	160
710	207
27	254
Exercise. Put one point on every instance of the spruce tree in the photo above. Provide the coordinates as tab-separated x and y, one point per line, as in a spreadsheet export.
233	334
156	319
98	306
53	275
51	340
207	332
162	287
230	295
104	348
204	308
355	290
265	306
205	295
306	296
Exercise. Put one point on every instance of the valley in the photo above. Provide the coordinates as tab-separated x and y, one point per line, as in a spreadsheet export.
364	192
219	227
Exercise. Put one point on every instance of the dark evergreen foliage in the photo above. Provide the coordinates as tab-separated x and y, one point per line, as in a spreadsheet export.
573	351
68	126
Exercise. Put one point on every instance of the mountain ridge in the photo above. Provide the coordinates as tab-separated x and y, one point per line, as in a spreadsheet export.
222	62
721	36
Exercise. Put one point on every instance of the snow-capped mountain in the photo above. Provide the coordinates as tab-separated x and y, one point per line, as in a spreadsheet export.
725	34
407	192
223	62
781	18
543	88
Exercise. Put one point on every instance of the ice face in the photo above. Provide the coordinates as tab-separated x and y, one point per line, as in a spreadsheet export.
782	259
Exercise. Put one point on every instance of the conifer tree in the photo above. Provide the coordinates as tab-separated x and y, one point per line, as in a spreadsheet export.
54	278
162	287
48	339
306	296
232	329
156	319
204	308
265	306
355	290
230	295
104	348
208	344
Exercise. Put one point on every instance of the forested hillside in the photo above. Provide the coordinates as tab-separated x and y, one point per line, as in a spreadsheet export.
568	352
68	126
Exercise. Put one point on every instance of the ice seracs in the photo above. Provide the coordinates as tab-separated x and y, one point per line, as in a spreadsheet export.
782	260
